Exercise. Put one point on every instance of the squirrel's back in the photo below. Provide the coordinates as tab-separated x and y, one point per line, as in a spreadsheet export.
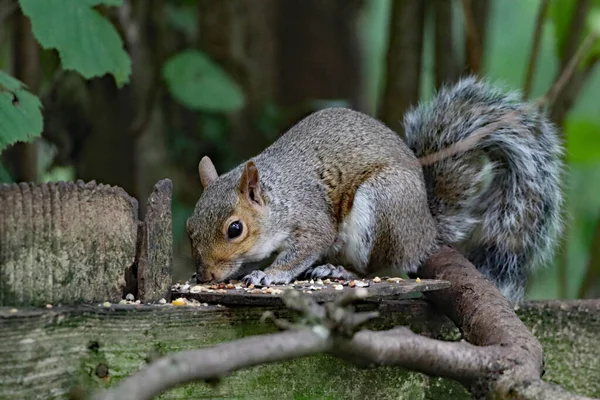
498	202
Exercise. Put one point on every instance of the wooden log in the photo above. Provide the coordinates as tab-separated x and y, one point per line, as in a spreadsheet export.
65	242
53	352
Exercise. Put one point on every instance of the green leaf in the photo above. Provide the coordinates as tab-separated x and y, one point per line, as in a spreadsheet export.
199	83
86	41
20	113
583	141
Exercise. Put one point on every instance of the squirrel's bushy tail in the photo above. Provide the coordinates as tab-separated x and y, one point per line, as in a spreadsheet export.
499	202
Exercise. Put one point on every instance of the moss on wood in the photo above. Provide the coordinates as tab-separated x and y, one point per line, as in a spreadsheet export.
54	351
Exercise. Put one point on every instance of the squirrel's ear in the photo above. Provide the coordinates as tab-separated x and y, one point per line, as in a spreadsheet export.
249	186
206	170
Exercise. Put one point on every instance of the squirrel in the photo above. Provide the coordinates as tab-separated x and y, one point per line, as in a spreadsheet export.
341	188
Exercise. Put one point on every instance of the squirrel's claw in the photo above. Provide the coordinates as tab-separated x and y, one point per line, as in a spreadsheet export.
254	278
330	271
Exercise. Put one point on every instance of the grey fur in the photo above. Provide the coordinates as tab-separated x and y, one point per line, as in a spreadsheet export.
498	202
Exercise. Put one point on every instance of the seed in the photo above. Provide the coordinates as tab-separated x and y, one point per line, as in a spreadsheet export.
179	302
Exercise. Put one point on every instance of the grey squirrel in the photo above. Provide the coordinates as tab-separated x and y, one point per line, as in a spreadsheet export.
342	188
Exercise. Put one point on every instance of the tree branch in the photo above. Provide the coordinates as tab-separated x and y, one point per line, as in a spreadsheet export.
217	361
535	47
403	348
569	71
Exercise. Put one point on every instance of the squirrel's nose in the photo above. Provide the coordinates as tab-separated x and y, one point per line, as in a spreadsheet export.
204	276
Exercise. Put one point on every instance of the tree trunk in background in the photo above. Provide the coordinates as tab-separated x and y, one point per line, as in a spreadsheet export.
476	16
446	65
107	154
22	157
403	64
239	35
146	36
318	54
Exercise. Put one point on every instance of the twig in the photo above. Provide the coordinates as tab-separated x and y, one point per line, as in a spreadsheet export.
535	47
556	89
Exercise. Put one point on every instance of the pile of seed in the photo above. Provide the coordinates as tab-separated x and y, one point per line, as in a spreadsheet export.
305	286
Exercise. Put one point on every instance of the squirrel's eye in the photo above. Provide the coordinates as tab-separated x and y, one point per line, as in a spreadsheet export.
235	229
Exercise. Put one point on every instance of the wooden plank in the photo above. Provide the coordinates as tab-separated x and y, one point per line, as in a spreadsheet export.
156	245
221	294
48	353
65	242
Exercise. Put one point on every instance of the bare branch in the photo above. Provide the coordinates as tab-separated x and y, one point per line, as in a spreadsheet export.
484	316
214	362
569	71
403	348
535	47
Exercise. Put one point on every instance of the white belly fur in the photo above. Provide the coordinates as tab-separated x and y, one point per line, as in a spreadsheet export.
352	246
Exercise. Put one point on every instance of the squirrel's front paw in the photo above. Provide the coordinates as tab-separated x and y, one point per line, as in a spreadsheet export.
261	278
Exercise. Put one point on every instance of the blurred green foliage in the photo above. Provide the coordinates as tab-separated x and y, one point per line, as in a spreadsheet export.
199	83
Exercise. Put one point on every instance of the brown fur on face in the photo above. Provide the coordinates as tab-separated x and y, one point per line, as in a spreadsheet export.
218	256
226	252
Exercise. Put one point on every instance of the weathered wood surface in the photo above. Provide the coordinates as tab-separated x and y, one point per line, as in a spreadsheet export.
155	254
69	243
406	288
65	242
50	352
